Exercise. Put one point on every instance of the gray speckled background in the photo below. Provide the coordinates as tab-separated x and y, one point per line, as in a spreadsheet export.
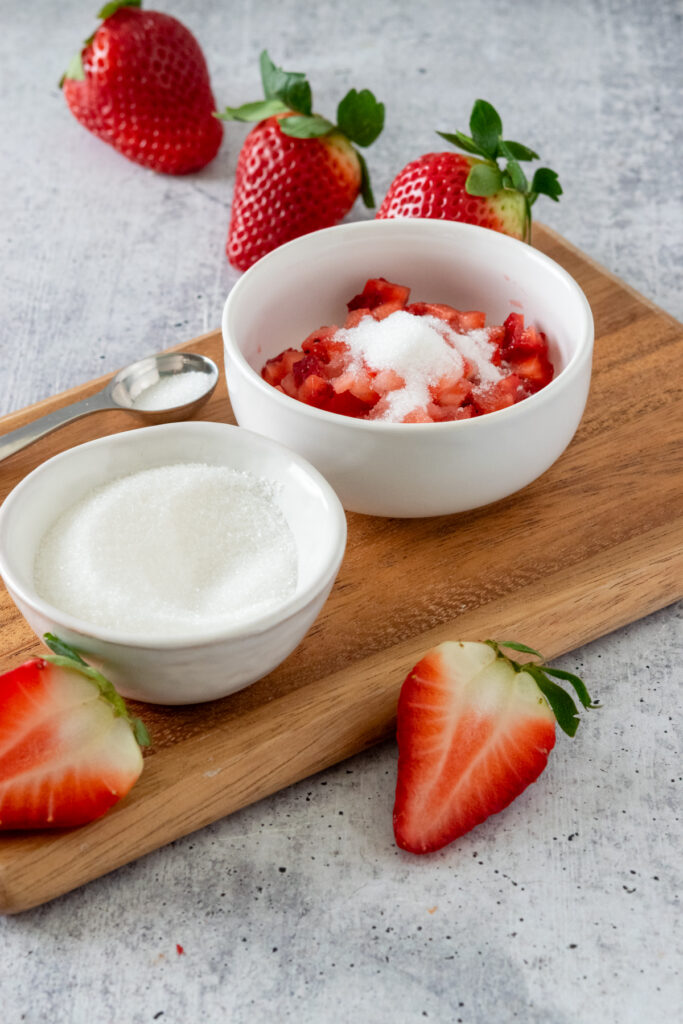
300	908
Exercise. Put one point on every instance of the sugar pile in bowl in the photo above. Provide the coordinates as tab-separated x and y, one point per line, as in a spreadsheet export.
421	350
176	549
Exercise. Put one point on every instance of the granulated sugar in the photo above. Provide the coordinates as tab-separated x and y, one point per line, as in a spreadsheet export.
422	350
177	549
173	390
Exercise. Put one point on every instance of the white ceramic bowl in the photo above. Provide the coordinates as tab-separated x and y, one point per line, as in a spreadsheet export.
184	669
401	469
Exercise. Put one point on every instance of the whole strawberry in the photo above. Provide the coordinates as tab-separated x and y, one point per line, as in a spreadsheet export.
473	189
141	84
297	172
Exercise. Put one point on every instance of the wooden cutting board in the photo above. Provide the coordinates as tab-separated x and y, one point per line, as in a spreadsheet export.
595	543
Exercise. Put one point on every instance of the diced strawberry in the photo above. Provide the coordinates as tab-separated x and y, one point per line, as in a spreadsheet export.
436	309
455	393
470	320
452	389
514	327
289	386
385	309
417	416
440	413
531	341
459	321
347	404
378	291
520	353
303	368
315	390
317	341
355	317
387	380
68	748
536	369
497	339
492	397
359	383
275	369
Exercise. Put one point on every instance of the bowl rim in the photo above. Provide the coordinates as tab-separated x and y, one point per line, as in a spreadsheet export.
419	225
195	640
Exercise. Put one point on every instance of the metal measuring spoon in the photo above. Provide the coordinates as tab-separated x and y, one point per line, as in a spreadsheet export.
129	387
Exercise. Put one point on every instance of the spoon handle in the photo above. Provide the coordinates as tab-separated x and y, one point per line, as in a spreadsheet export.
26	435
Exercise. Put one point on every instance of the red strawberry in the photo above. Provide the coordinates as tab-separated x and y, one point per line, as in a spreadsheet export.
474	730
68	747
141	84
450	186
297	172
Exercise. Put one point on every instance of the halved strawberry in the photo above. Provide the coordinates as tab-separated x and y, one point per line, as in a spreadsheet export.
69	750
376	292
474	730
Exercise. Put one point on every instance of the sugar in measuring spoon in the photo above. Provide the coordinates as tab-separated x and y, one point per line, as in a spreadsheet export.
171	386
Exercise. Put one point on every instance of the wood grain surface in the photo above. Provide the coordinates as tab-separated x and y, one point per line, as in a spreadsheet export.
594	544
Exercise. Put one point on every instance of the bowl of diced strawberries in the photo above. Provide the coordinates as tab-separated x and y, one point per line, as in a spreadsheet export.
425	367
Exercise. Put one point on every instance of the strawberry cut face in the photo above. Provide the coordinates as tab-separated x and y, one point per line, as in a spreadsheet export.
473	733
66	756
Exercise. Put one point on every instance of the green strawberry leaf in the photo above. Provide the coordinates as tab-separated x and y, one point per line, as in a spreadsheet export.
141	734
517	176
577	683
116	5
360	117
515	150
522	648
289	86
306	127
562	705
366	192
545	182
298	97
62	648
486	128
258	111
484	180
462	142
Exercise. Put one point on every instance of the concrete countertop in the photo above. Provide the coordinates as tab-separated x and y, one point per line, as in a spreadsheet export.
300	908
